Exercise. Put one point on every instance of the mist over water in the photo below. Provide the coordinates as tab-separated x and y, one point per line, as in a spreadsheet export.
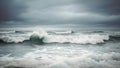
59	48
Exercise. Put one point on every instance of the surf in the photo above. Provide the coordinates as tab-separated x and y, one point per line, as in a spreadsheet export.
41	36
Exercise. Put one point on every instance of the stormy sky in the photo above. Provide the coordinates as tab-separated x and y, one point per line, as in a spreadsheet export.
81	12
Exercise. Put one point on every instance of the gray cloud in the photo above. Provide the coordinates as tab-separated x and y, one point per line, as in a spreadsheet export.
11	9
61	11
110	7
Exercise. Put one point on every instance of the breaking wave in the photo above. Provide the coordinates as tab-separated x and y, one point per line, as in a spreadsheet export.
81	39
63	32
42	36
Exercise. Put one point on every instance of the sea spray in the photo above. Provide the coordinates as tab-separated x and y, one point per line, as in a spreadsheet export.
41	36
36	38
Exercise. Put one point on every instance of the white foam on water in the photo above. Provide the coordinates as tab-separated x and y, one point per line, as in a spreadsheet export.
78	38
63	32
82	39
62	58
15	39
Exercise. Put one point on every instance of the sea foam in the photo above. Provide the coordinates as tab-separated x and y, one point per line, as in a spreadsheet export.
92	38
63	59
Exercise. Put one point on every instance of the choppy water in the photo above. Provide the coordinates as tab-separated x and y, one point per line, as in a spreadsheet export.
59	49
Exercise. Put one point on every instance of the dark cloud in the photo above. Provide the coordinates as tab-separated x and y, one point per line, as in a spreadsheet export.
11	9
60	11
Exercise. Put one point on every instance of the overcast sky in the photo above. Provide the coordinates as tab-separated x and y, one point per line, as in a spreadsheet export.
82	12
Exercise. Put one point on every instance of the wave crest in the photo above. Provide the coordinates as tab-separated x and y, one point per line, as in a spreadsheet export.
81	39
42	36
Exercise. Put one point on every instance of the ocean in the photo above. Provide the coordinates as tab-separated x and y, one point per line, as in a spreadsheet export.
59	48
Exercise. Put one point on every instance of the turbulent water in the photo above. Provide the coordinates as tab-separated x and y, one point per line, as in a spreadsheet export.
59	49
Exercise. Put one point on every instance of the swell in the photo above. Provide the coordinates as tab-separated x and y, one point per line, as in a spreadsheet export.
42	37
81	39
114	38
